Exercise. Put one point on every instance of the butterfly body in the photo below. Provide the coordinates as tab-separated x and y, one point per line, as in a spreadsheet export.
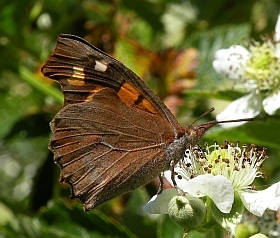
113	133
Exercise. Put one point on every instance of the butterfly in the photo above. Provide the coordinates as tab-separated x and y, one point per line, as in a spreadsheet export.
113	133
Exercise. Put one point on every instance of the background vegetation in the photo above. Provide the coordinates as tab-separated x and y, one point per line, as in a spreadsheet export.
170	44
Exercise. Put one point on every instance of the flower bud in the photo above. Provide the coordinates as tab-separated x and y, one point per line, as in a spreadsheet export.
186	211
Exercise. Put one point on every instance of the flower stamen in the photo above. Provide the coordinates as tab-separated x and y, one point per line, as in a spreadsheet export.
240	165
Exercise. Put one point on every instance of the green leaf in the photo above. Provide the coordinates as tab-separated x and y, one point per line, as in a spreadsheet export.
58	220
58	215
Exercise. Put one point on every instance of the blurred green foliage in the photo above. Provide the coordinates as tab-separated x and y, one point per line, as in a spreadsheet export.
169	43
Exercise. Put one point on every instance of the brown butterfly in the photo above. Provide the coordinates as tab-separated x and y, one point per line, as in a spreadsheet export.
113	133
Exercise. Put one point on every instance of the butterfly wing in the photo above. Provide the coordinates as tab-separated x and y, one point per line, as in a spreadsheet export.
106	148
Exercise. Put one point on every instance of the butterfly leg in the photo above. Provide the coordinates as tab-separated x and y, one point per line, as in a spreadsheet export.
173	174
160	189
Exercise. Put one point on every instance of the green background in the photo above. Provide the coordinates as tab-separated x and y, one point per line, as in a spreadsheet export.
170	44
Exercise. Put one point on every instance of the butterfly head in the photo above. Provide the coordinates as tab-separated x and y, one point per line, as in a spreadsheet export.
196	132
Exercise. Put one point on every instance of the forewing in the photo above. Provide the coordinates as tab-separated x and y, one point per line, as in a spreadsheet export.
106	148
82	70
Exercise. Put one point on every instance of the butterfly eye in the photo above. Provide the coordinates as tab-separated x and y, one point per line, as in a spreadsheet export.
187	152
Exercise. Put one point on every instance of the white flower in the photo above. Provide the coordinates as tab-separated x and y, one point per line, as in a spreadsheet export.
257	71
221	173
231	62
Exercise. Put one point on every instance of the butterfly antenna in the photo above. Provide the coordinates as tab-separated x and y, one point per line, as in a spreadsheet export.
203	115
236	120
219	122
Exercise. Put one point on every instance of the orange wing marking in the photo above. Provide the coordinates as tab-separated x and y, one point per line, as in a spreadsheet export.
92	92
132	97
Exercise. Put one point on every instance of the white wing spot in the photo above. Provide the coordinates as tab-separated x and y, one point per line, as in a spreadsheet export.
100	66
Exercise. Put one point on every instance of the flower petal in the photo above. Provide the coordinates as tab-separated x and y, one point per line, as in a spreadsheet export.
247	106
277	30
159	203
277	38
272	103
231	62
258	201
218	188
